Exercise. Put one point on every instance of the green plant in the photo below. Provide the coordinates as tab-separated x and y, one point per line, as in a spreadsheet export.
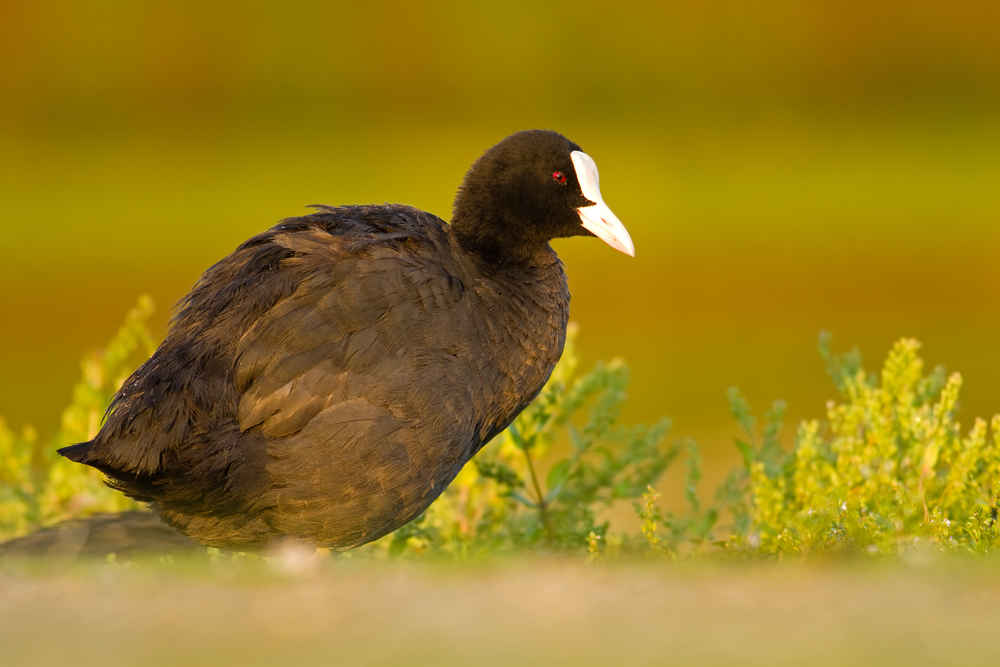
651	517
502	502
887	472
37	486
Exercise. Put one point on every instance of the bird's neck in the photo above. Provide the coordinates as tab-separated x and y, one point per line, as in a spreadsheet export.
497	241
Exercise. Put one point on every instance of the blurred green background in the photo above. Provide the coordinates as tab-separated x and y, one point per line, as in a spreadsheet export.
783	167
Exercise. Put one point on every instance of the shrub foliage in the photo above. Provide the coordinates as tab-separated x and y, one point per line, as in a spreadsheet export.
502	502
889	470
37	486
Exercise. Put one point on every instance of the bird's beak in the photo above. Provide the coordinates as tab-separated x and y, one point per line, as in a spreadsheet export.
598	219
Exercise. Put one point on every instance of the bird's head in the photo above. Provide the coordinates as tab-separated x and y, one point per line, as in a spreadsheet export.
528	189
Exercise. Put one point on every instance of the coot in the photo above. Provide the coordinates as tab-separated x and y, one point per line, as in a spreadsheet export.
326	381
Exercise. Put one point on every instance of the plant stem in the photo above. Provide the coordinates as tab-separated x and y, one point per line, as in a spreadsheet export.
542	505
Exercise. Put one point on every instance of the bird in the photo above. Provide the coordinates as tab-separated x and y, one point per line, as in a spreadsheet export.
326	381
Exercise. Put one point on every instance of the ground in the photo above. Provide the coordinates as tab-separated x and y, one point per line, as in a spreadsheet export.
545	611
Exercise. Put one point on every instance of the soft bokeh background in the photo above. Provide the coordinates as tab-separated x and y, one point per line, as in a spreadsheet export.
783	167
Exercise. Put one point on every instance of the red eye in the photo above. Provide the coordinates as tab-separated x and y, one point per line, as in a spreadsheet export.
559	176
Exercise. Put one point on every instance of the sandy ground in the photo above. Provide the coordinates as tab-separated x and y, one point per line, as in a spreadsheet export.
525	612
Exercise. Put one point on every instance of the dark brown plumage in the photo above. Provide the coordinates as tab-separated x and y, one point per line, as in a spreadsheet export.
327	380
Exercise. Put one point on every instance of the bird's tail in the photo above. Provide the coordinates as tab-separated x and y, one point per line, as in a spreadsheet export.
79	453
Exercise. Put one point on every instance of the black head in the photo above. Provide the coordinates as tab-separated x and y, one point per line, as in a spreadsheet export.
530	188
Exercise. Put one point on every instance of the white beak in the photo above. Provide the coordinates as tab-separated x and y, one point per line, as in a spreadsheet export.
598	219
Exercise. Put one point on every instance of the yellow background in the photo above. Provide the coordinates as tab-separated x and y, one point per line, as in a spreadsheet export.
783	167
